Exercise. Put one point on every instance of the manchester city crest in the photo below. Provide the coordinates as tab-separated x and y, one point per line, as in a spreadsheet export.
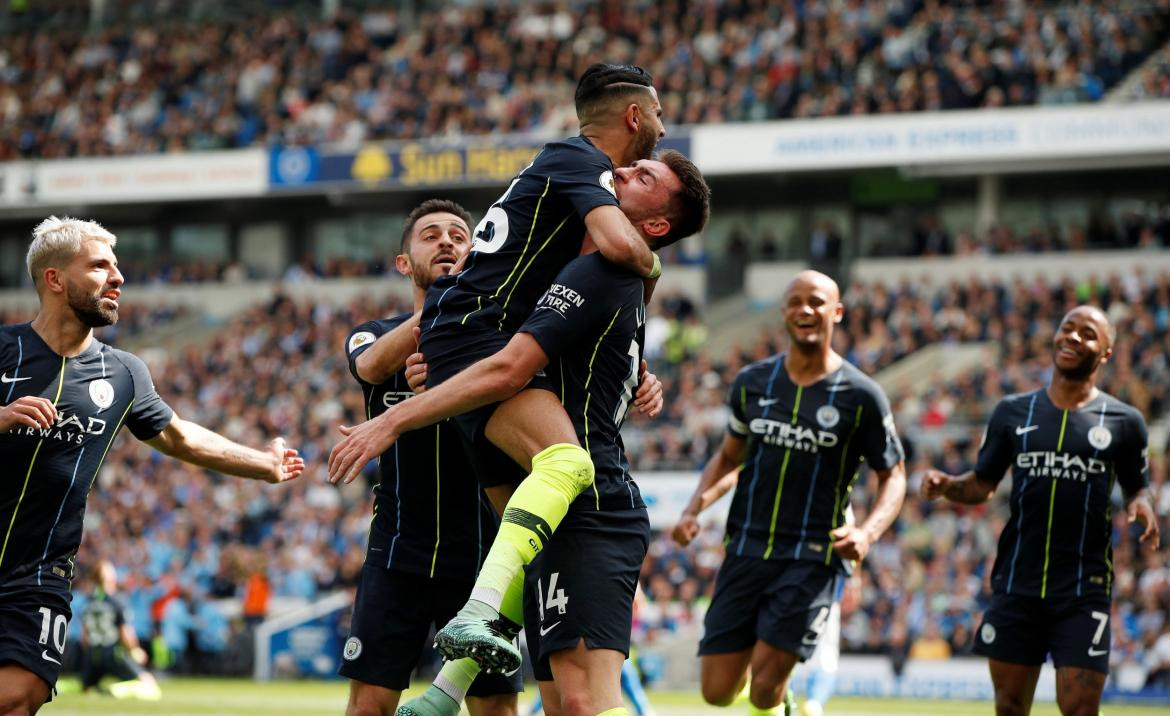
1100	437
828	416
353	648
987	633
101	393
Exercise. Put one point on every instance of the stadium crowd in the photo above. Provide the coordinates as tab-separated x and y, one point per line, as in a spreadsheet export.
275	78
184	538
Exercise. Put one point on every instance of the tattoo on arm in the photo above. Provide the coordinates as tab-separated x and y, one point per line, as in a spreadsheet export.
968	490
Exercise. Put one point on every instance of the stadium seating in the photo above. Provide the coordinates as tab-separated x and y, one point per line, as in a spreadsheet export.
282	79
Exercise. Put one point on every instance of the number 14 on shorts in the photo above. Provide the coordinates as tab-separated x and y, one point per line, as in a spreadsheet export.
557	599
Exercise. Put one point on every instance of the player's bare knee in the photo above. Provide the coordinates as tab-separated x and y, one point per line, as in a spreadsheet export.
577	703
718	692
1010	705
18	703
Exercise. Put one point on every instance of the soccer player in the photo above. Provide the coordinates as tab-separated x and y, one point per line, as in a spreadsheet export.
1066	445
109	644
64	396
801	423
587	331
523	241
826	657
432	525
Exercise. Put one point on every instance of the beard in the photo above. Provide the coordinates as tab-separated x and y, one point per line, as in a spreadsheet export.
88	308
1082	370
645	141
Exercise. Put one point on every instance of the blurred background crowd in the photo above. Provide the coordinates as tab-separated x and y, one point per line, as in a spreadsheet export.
179	82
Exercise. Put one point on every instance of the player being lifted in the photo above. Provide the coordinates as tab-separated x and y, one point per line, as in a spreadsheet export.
523	241
1066	445
801	424
587	331
64	397
432	525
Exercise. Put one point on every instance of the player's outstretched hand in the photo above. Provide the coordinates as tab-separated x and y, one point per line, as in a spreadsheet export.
361	444
686	530
934	484
648	400
851	542
289	464
1140	510
30	410
416	372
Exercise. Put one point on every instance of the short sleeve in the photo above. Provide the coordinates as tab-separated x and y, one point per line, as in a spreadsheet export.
581	173
880	445
149	414
1133	460
737	421
359	341
583	295
998	449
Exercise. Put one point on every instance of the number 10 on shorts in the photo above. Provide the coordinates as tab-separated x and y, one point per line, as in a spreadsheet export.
57	627
557	599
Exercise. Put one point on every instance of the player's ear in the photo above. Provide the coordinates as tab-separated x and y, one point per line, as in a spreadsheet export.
633	116
402	265
656	227
839	312
51	279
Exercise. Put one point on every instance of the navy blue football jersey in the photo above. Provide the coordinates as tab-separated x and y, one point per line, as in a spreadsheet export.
1057	542
430	515
51	470
524	240
805	446
591	325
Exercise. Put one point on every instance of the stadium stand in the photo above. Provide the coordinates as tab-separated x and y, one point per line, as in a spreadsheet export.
284	79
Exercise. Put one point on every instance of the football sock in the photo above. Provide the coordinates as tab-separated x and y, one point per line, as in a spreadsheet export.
512	606
756	711
559	474
619	711
455	678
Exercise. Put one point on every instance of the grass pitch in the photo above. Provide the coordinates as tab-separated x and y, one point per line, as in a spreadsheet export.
231	697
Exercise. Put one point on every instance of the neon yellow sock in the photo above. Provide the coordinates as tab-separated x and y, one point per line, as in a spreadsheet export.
512	606
455	678
559	474
755	711
619	711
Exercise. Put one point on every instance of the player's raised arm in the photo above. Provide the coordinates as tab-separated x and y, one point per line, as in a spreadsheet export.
197	445
620	242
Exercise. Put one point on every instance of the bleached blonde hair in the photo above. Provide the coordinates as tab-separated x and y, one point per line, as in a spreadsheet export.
57	240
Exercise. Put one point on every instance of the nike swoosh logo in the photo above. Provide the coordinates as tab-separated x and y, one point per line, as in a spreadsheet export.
46	657
1097	652
5	379
540	531
547	629
765	402
1022	430
810	642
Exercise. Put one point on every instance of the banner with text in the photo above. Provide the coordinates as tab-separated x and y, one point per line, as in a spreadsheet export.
408	165
957	142
130	180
